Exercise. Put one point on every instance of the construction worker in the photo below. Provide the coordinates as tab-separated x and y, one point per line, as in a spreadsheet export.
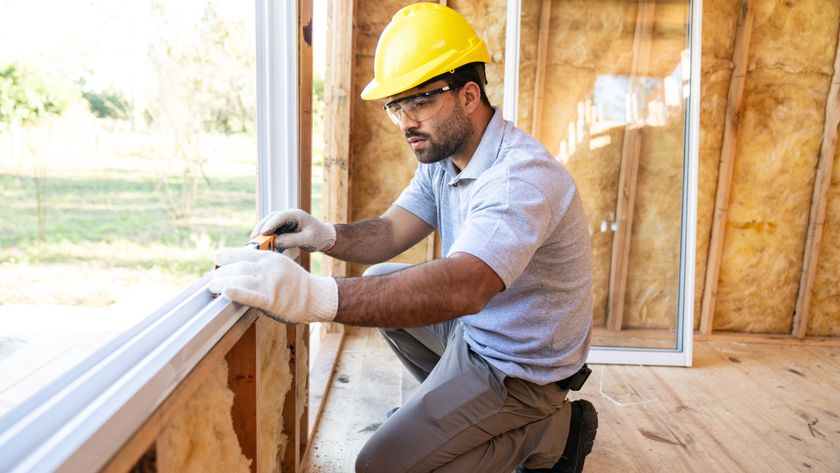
498	329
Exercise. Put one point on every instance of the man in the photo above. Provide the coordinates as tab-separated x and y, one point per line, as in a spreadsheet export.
498	330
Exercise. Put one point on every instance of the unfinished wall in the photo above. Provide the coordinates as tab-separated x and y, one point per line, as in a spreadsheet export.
201	438
274	381
720	19
778	138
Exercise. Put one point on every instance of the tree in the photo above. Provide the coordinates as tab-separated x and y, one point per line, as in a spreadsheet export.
107	104
205	87
27	97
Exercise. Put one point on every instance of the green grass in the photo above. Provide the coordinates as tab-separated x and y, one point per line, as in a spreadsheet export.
119	207
88	209
108	220
108	227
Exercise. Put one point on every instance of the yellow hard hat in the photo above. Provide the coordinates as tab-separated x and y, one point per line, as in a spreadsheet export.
422	41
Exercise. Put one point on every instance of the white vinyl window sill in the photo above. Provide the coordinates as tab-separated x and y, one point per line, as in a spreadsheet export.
77	422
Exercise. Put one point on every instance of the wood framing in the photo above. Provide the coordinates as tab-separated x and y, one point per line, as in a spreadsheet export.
624	218
768	339
822	181
542	65
295	411
338	96
630	151
323	368
734	103
242	380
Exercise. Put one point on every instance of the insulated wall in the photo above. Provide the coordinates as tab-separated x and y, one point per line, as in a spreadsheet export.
789	71
202	438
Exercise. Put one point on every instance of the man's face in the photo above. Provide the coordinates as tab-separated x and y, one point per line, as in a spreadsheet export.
437	136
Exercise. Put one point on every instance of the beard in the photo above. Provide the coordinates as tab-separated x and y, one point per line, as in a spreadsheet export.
450	136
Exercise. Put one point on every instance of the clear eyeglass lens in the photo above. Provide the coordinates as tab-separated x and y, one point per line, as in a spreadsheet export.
416	109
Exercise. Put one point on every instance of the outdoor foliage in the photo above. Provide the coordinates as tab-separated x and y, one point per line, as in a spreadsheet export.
27	95
107	104
205	88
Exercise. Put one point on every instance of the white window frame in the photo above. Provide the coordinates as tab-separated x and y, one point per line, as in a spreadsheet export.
681	354
79	421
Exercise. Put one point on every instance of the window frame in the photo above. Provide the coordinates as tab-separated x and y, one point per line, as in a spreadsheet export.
80	420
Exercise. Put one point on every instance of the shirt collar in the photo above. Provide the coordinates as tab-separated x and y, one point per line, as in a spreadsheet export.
485	154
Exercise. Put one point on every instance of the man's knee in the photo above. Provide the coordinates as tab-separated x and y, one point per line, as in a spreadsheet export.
382	269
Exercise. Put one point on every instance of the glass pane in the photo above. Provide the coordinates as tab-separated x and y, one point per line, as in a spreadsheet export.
604	85
127	158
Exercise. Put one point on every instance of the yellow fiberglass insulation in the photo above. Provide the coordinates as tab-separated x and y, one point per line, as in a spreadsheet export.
595	167
778	142
719	22
201	437
653	266
274	382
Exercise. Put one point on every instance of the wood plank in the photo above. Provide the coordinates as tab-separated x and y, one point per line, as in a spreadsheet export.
734	103
542	65
628	174
242	380
140	442
432	246
630	151
321	371
294	405
297	336
768	339
822	182
338	97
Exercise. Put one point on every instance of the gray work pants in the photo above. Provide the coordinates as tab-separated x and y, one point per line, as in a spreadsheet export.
466	416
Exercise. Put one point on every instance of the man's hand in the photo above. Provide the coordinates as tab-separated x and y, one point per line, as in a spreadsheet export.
297	229
275	285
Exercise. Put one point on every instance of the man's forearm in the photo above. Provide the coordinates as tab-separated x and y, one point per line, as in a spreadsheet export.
365	241
432	292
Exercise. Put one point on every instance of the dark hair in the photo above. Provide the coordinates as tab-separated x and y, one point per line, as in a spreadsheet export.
472	72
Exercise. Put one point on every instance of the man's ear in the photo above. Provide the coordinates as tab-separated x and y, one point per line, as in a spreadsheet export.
471	96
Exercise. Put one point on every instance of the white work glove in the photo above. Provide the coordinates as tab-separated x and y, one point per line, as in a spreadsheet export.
274	284
297	229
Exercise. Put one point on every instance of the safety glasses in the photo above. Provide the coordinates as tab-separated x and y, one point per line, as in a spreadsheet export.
417	107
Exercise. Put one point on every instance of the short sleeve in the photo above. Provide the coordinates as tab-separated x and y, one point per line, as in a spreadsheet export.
419	197
507	221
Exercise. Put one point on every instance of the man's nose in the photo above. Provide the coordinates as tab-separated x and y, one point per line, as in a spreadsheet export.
406	123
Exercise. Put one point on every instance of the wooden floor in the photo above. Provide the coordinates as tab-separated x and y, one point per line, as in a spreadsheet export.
743	407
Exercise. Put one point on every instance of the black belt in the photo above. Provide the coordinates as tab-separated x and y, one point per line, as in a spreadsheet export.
575	381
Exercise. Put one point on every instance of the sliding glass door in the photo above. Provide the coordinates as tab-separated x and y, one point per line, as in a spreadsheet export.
610	87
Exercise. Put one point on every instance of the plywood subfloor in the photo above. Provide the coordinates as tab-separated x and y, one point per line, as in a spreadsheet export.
743	407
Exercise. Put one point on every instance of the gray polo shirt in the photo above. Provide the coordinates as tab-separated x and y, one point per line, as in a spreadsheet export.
517	209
